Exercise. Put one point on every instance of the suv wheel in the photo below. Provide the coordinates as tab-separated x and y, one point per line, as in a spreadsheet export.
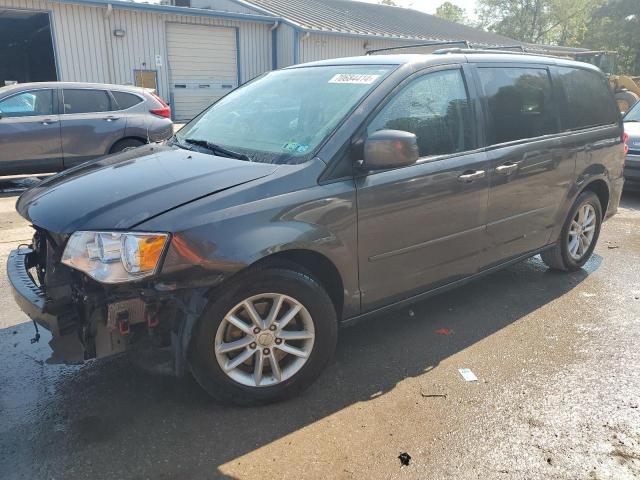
125	144
266	336
579	235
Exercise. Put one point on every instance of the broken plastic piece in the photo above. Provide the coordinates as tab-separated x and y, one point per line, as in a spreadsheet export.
444	331
405	458
468	375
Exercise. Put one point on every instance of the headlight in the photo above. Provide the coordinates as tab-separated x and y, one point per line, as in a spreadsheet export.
114	257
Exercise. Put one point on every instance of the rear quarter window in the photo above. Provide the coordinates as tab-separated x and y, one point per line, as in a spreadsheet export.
126	100
519	102
589	102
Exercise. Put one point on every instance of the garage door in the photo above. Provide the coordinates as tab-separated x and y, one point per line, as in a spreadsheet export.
202	66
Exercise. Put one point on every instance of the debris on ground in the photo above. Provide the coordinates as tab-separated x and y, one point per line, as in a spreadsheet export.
411	313
468	375
444	331
433	395
611	245
405	458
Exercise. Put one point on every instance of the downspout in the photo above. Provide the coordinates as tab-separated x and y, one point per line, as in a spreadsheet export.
274	45
109	42
298	41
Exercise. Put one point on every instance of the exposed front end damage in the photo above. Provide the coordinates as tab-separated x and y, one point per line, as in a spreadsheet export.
87	319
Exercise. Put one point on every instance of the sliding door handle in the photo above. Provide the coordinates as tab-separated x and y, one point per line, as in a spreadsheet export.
507	168
471	175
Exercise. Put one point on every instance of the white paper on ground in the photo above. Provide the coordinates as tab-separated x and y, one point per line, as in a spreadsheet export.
468	375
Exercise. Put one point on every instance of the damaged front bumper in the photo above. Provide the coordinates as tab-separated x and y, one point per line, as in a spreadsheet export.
86	319
27	294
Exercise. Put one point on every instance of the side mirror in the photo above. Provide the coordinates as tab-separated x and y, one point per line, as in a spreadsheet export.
390	149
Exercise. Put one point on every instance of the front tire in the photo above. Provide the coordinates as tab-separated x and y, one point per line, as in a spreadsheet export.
579	235
265	336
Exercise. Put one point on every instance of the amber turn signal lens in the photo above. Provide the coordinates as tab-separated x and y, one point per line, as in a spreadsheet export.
150	251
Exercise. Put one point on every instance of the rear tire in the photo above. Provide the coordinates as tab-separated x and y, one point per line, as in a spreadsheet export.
226	331
125	144
566	255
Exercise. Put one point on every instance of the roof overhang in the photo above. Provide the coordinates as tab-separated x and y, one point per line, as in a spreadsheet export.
170	9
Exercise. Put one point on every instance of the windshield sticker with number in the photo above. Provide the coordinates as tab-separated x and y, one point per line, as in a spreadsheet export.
354	78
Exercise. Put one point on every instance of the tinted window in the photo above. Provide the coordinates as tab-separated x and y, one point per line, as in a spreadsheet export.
86	101
435	107
126	100
28	104
520	103
589	101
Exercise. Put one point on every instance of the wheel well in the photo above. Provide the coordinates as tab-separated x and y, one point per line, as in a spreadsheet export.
320	267
140	139
600	188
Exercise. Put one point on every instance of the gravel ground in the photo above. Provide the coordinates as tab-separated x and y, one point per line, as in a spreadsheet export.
558	394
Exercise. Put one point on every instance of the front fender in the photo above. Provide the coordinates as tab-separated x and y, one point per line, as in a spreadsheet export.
213	244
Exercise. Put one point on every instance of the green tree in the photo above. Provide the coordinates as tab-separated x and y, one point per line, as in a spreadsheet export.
452	12
388	2
616	26
539	21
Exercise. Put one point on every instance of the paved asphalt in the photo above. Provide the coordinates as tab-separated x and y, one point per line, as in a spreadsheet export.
558	395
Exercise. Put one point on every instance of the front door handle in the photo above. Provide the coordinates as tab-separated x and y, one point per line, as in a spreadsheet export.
111	119
48	121
471	175
507	168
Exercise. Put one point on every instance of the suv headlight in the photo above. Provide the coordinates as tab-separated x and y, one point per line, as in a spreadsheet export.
114	257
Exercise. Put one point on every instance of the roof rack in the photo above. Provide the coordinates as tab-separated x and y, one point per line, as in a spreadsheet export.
443	51
423	44
519	48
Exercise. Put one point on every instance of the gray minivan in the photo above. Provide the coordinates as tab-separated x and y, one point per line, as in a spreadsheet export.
316	196
50	126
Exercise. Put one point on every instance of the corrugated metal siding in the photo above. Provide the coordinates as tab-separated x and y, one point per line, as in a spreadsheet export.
224	5
285	45
138	50
87	50
322	47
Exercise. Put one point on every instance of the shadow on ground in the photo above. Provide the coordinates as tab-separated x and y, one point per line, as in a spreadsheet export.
123	419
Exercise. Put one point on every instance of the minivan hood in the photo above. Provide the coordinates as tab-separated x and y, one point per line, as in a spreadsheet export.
122	190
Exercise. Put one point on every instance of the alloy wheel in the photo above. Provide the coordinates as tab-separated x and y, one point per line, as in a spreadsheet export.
264	340
582	231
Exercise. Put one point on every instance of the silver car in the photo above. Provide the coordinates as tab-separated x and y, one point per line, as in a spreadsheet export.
47	127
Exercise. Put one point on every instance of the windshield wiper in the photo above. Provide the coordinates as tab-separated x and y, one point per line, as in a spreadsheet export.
217	149
176	141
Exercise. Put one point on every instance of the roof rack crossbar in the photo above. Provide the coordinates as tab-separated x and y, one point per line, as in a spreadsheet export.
520	48
423	44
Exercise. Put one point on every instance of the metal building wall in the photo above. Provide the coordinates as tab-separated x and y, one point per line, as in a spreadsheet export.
138	49
87	51
225	5
285	45
321	47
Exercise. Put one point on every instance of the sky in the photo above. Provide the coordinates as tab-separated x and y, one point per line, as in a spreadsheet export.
429	6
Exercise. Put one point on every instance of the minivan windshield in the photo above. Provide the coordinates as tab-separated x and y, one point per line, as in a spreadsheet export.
633	115
283	116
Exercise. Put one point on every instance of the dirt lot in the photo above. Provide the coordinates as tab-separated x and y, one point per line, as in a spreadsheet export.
558	394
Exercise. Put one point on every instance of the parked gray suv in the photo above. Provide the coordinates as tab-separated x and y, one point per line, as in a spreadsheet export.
48	127
316	196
